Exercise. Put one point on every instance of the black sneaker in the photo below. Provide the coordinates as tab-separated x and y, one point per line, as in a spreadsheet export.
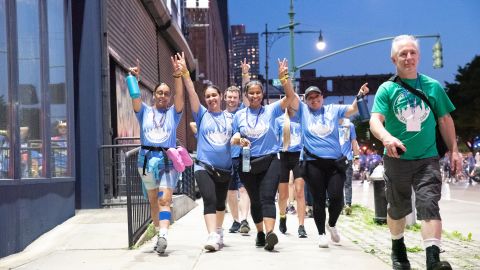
301	232
283	225
260	241
272	240
433	259
399	255
244	227
235	227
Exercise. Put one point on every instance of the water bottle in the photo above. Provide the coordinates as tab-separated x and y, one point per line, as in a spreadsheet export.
363	108
246	159
132	85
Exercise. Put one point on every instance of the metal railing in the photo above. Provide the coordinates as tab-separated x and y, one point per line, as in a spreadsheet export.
122	185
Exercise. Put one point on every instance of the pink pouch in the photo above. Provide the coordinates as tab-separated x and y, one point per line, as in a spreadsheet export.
175	157
187	160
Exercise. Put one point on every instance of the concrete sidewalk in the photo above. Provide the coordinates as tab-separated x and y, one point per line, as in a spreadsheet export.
97	239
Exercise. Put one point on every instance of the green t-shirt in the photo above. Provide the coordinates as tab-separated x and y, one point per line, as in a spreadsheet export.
397	104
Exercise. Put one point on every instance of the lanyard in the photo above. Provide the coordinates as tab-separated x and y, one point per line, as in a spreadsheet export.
256	121
161	122
221	128
411	98
321	112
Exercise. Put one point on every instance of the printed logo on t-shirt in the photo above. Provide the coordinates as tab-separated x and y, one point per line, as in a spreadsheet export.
222	129
156	134
257	130
295	138
322	125
415	108
344	134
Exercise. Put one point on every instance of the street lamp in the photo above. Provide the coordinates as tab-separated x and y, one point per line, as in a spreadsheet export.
321	43
272	36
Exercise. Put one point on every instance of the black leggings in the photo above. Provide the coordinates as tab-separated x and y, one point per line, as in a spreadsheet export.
214	192
323	177
261	189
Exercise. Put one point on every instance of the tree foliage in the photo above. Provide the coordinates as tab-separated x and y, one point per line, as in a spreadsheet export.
465	95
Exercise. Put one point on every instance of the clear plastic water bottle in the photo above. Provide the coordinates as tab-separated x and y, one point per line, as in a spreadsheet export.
363	108
246	159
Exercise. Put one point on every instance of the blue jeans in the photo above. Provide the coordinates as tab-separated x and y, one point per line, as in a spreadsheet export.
348	184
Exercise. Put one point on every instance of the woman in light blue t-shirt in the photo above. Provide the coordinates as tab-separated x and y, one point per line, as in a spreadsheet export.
254	127
158	125
322	155
213	173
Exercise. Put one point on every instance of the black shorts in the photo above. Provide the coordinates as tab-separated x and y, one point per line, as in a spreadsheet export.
423	175
289	161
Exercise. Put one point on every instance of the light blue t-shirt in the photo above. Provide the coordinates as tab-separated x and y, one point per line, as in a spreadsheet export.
257	125
346	134
235	149
295	133
320	130
158	127
214	133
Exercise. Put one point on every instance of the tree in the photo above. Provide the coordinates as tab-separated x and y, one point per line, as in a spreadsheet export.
465	95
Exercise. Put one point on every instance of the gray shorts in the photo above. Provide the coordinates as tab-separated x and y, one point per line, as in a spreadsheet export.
421	174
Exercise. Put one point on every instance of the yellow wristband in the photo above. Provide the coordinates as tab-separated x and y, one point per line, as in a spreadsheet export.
245	74
185	73
176	76
284	79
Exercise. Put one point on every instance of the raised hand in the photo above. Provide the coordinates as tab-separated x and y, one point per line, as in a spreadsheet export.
177	69
136	70
363	89
283	69
181	62
245	66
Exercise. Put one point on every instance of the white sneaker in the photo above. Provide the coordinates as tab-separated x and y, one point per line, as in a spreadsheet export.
212	242
322	241
333	233
220	238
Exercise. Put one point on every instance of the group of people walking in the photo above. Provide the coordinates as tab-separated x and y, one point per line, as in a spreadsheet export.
259	144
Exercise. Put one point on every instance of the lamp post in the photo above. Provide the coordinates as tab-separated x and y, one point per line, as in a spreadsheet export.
437	50
276	35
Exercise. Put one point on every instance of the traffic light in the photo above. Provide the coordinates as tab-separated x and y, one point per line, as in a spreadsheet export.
437	55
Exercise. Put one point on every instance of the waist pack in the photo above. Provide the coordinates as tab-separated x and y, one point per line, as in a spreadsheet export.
261	164
341	163
219	175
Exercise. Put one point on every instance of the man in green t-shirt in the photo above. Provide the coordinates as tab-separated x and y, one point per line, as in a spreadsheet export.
406	126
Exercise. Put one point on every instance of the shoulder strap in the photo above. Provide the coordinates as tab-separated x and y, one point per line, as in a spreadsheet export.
414	91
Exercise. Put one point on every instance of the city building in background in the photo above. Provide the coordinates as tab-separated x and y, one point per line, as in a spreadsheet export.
243	45
206	31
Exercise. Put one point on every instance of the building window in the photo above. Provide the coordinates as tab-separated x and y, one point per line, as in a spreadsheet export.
39	89
29	88
57	88
4	97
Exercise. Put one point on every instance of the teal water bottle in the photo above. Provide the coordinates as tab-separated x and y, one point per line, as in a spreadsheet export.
246	159
132	85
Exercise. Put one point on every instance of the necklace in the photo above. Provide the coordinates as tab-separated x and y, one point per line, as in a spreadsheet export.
161	121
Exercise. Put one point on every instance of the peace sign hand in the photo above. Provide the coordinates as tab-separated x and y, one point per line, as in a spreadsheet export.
282	68
245	66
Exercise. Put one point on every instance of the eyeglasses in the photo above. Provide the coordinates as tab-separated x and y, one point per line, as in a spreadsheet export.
162	93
